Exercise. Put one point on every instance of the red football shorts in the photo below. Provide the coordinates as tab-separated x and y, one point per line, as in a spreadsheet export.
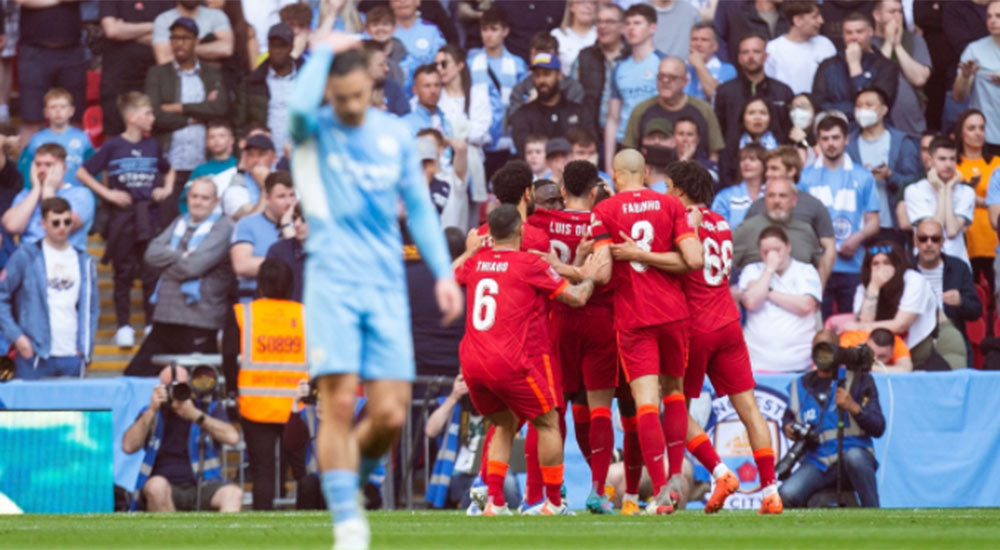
658	349
584	344
528	392
722	354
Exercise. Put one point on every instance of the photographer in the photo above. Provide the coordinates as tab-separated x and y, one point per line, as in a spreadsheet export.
814	403
169	430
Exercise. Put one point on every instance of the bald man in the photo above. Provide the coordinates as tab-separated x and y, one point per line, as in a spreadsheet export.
639	228
672	104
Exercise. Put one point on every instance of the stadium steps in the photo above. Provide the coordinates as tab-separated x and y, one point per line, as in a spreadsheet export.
109	359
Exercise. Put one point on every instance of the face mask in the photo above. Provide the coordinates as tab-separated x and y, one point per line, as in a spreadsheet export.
801	117
865	117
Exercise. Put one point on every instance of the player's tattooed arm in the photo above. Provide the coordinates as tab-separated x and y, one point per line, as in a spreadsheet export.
578	294
566	271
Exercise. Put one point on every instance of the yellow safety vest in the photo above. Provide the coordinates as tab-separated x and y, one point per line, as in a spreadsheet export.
272	358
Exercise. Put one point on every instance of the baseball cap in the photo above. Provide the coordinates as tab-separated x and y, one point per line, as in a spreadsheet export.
556	146
259	141
661	125
545	60
185	23
281	31
427	148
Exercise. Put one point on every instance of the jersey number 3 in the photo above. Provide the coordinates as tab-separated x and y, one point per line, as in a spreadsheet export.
718	261
484	306
642	234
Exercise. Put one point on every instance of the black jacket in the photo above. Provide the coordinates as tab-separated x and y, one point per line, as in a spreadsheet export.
745	21
591	76
731	96
958	276
535	118
254	95
834	88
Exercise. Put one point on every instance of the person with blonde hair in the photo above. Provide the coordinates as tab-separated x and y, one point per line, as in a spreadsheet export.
577	31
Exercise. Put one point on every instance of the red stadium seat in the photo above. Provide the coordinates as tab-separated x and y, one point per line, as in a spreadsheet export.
93	124
976	330
93	87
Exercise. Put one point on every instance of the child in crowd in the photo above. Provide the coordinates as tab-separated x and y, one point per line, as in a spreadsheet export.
58	110
534	155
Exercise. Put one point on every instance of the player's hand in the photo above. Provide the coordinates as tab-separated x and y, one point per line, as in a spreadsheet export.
339	42
159	397
474	241
951	297
585	247
593	265
694	217
24	347
449	299
626	251
121	198
160	193
549	256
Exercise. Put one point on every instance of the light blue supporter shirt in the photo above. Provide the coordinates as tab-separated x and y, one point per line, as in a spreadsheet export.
75	141
733	202
350	181
993	194
633	82
848	193
720	71
422	40
81	202
260	232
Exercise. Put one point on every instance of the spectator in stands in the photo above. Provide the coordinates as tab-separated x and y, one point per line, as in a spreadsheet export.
943	196
802	115
533	19
858	67
185	94
534	154
909	51
976	78
126	55
58	111
220	165
595	65
551	113
138	178
387	94
10	18
687	141
420	38
854	221
260	16
760	18
660	133
705	71
255	233
499	70
425	112
246	44
263	97
780	198
673	26
657	159
813	401
732	96
11	183
794	56
671	103
949	278
891	353
524	91
733	202
48	300
929	17
213	34
196	275
448	183
781	296
47	179
557	153
50	54
757	127
291	249
976	168
170	433
890	154
576	32
634	78
242	195
380	23
299	16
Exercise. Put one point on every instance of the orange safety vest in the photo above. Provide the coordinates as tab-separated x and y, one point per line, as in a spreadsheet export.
272	358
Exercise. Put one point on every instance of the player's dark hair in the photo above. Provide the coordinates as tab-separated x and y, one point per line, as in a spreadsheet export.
53	149
693	179
602	194
348	62
504	221
278	177
456	241
941	142
773	231
882	337
542	182
644	10
510	182
274	279
494	15
830	122
579	177
56	205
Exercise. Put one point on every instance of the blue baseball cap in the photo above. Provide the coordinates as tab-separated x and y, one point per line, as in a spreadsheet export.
545	60
185	23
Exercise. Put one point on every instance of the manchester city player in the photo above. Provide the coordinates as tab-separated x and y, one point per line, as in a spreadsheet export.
352	164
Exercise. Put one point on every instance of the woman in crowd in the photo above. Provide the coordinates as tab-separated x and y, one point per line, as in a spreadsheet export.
976	167
733	202
576	32
757	127
802	113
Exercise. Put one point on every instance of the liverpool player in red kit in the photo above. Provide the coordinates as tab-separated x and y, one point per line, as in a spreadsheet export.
508	379
583	340
512	185
650	313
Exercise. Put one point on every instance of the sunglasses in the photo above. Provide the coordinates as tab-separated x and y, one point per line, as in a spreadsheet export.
442	64
62	223
880	249
936	239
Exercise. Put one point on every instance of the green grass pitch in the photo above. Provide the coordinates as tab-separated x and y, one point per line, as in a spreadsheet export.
812	529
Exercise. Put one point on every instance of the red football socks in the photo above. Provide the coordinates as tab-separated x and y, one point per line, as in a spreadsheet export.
632	455
496	472
702	449
765	465
675	420
533	483
553	478
602	442
651	443
581	425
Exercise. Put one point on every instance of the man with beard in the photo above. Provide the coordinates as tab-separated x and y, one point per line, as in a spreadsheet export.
780	198
550	114
209	21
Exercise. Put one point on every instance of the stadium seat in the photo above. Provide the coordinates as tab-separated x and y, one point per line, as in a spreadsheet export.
976	330
93	124
93	88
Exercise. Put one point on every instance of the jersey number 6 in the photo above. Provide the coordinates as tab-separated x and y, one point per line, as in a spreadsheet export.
718	261
484	306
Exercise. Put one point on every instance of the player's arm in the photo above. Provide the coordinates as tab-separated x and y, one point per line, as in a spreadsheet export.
578	294
566	271
675	263
307	94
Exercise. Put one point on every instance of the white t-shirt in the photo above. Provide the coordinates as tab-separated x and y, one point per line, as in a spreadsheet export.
918	297
795	63
777	339
570	45
935	277
921	202
62	269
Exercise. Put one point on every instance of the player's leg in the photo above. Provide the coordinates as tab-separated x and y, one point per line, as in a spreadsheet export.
673	349
599	369
640	359
569	348
602	442
386	407
498	459
550	459
631	453
337	449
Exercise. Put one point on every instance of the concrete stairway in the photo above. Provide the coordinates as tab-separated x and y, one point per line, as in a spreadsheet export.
109	359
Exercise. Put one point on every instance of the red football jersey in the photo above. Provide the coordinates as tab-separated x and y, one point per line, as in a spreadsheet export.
643	295
507	293
534	238
565	230
709	302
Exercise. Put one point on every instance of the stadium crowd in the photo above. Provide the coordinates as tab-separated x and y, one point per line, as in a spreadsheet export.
850	146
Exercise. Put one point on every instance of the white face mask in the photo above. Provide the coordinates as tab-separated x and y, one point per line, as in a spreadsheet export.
865	117
801	118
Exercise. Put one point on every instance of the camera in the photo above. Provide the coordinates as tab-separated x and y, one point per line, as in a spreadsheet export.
177	391
807	437
828	356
